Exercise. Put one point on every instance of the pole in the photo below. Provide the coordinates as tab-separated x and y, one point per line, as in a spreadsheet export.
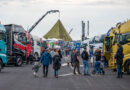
83	30
88	29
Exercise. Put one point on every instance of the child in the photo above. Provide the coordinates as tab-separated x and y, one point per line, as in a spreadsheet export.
35	68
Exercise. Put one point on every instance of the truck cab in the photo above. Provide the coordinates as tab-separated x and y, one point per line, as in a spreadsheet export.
3	56
37	47
16	44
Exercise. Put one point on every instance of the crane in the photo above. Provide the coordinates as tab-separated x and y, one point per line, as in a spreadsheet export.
35	24
70	31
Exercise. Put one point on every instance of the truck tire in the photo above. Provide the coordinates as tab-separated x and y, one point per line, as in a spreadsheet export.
128	67
19	61
0	65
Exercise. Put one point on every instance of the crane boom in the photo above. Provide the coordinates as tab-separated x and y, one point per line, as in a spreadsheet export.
70	30
35	24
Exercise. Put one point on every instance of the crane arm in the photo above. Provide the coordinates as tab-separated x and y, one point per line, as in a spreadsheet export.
70	30
35	24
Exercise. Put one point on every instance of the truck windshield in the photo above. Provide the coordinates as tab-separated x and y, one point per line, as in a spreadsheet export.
99	39
20	37
124	38
102	39
107	43
2	36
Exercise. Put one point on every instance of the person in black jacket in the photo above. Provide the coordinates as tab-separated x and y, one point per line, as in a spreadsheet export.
85	58
119	60
76	62
56	64
97	61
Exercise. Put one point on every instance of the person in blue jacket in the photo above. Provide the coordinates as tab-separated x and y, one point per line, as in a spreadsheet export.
46	59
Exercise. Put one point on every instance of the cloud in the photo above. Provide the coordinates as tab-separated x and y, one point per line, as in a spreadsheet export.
73	2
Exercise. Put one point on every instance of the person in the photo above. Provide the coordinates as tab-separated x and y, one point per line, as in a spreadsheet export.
56	64
76	62
91	56
119	60
102	64
46	59
85	58
72	57
97	61
67	58
52	52
59	52
35	68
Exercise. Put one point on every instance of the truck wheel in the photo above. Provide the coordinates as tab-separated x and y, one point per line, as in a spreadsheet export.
19	61
128	67
0	65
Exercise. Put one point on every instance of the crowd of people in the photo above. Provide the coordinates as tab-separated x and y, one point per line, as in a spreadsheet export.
73	58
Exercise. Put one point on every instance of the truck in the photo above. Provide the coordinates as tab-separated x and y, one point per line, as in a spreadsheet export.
16	44
3	56
37	47
118	35
94	42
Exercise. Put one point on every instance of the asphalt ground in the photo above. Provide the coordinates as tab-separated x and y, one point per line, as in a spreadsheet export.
21	78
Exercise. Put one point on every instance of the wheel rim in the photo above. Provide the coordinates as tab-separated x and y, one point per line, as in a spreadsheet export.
19	61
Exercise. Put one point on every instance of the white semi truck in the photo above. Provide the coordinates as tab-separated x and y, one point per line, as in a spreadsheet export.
37	47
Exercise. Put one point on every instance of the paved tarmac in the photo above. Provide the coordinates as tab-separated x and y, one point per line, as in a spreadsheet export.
21	78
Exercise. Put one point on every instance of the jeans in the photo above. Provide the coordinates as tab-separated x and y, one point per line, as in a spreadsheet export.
45	70
85	66
119	68
97	66
56	72
76	65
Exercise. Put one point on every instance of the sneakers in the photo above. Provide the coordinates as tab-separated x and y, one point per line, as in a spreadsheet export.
86	74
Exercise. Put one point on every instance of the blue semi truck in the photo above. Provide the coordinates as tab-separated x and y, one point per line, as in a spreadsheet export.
3	55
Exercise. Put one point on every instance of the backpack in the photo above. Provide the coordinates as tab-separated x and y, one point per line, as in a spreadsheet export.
57	59
85	55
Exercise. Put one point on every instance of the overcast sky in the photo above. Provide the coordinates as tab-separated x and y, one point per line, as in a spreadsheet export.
102	14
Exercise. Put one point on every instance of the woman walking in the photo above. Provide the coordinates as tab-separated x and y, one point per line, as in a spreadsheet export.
56	64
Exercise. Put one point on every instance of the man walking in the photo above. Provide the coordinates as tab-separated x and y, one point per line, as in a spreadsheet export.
85	58
46	59
119	60
76	62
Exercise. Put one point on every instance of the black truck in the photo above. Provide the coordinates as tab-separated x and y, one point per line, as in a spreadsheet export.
16	44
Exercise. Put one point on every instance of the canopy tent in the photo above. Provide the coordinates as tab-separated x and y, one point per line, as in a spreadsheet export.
59	32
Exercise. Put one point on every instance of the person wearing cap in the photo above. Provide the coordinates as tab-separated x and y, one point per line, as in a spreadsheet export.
45	60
